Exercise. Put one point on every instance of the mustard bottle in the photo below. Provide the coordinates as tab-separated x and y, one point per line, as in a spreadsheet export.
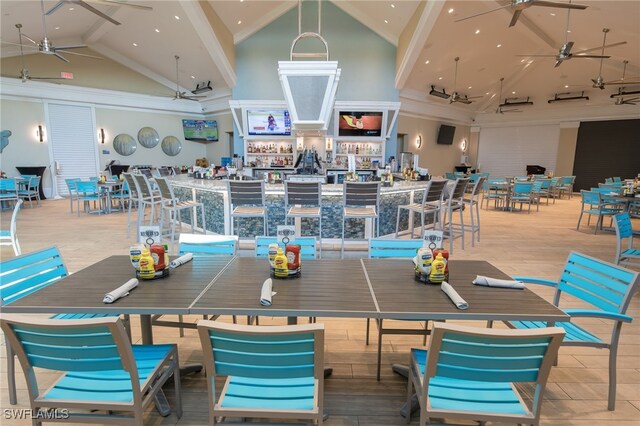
280	265
437	269
146	270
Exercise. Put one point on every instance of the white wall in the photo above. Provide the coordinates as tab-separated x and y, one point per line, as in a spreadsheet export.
506	151
222	148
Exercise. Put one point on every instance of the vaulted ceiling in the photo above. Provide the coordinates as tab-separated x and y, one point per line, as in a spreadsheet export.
203	34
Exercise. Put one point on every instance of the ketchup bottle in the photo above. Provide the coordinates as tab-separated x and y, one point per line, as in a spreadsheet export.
293	256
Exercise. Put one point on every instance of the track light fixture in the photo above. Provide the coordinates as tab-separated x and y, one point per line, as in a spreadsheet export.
516	102
621	92
439	94
202	87
562	97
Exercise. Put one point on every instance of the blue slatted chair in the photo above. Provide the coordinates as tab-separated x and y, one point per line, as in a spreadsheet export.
594	204
495	189
307	246
629	256
566	185
73	192
607	288
9	237
8	190
30	189
272	372
450	176
521	193
88	191
100	369
470	373
381	248
24	275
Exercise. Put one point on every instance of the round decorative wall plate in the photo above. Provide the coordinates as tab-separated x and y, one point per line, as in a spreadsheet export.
171	146
148	137
124	144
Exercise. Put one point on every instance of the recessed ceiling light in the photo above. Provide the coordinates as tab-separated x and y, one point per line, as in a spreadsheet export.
71	8
57	28
513	93
239	22
177	17
477	31
566	86
499	45
157	30
386	22
393	6
135	44
439	78
193	76
469	87
522	60
426	62
568	31
487	93
552	14
451	10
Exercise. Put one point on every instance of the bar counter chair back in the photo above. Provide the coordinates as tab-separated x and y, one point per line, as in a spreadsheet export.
73	192
9	237
471	373
629	256
431	205
304	199
473	202
360	200
605	291
272	372
100	369
247	199
173	206
147	197
454	203
134	199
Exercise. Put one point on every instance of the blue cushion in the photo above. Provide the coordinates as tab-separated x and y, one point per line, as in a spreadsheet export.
286	394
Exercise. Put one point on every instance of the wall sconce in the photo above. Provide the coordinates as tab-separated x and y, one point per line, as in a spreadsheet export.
329	144
40	133
101	136
300	143
463	145
419	141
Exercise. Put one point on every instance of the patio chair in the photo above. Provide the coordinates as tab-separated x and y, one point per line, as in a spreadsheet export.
271	372
382	248
495	189
247	199
629	256
30	190
88	191
521	194
471	373
307	246
360	200
101	370
566	185
454	203
473	203
431	205
173	206
8	190
24	275
594	204
73	192
606	289
304	200
9	237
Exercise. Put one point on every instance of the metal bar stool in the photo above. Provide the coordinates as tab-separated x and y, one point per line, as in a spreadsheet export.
173	206
247	200
473	202
431	205
146	197
304	199
361	200
455	202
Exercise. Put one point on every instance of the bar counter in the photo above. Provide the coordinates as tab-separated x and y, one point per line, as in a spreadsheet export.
213	193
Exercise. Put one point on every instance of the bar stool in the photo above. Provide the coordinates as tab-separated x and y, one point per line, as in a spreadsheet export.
361	200
455	202
304	199
247	200
431	204
146	197
173	206
133	198
473	202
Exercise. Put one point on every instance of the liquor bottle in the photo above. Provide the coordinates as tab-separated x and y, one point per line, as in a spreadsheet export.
357	149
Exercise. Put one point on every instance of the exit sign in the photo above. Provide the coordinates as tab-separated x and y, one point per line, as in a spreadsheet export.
67	75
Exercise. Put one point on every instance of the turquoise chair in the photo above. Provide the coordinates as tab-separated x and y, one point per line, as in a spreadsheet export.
8	190
521	193
27	274
594	204
617	179
471	373
381	248
73	192
606	290
450	175
271	372
9	237
629	256
207	245
307	246
30	190
88	191
536	193
99	369
566	185
495	189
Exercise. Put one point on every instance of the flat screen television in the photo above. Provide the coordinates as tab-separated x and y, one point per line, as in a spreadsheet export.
267	122
360	123
445	134
200	130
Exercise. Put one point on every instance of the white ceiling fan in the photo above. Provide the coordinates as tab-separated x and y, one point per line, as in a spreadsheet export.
459	97
628	101
46	46
92	9
24	72
565	50
179	94
599	82
519	5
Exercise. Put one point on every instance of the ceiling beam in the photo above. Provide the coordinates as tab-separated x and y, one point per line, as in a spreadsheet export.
212	44
263	21
527	26
425	25
355	11
509	82
102	26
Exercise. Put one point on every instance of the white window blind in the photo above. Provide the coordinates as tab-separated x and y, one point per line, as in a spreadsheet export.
72	139
506	151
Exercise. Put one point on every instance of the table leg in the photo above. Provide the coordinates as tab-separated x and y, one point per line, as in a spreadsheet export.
145	329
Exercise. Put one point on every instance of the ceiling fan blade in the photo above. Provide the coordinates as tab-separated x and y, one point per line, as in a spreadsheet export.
559	5
600	47
537	56
514	19
83	54
62	58
620	83
18	44
591	56
56	7
558	63
96	11
119	3
78	46
482	13
30	39
474	97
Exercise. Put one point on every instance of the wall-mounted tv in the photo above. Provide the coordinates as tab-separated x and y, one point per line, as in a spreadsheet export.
445	134
360	123
267	122
200	130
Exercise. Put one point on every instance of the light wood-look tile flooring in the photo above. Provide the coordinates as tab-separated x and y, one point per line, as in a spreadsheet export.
535	244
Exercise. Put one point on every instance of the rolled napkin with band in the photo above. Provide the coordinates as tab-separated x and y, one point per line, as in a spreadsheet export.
495	282
267	292
121	291
181	260
454	296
